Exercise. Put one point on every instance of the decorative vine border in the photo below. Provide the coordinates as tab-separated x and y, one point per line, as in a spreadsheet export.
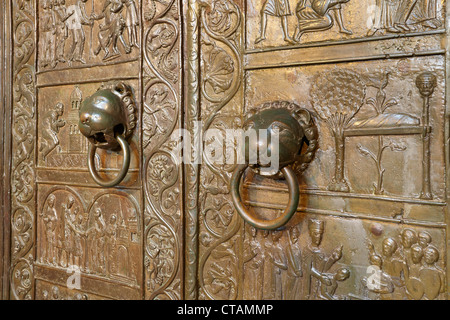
23	186
216	24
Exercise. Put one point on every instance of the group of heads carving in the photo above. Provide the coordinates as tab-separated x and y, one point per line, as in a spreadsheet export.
419	244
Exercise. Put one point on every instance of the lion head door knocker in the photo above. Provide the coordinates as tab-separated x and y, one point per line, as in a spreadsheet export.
107	119
288	128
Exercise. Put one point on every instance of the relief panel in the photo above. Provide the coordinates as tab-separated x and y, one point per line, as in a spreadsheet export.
281	23
62	147
325	258
375	121
82	33
96	233
216	103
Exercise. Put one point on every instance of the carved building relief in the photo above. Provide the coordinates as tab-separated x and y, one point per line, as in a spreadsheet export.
100	238
61	144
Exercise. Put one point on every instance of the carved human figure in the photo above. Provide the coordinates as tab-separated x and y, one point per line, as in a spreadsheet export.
132	21
99	241
408	238
402	14
414	286
111	245
62	30
111	30
76	22
50	219
294	271
278	258
338	16
47	21
77	245
50	128
254	261
394	266
384	16
431	275
69	240
317	262
425	13
424	239
379	282
314	15
267	292
327	292
25	145
276	8
79	239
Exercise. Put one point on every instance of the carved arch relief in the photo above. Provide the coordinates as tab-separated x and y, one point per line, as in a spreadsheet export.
102	238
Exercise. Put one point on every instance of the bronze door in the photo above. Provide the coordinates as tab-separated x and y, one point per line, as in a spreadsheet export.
366	79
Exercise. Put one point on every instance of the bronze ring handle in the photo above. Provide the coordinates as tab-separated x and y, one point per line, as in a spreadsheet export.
291	209
125	165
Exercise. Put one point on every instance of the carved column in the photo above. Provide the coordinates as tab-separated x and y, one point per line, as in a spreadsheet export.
192	67
426	82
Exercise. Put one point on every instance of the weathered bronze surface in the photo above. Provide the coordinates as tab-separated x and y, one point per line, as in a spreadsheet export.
372	218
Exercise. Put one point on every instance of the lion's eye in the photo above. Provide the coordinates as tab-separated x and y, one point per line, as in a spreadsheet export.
278	126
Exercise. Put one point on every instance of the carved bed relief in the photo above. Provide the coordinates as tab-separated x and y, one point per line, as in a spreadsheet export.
372	121
284	23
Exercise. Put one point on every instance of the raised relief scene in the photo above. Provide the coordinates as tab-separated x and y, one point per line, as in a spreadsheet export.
324	258
286	265
101	238
60	142
406	265
275	23
381	126
77	33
